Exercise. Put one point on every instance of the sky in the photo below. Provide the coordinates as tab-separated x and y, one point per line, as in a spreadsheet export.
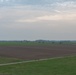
37	19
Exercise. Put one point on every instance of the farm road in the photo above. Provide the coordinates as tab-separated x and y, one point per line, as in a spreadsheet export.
13	63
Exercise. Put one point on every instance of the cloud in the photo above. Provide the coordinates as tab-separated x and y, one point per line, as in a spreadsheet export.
50	17
47	19
37	3
67	4
56	17
27	20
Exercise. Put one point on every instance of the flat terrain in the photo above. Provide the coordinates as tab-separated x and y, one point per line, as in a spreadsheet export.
4	60
58	66
37	52
19	53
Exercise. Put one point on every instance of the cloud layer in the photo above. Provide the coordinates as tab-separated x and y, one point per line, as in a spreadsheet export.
37	19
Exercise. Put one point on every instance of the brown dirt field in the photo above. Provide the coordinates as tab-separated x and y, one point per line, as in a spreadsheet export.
37	52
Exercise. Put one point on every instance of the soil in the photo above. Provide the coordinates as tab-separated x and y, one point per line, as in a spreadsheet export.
37	52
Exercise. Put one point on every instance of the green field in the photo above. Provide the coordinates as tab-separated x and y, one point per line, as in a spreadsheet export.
58	66
8	60
34	43
22	43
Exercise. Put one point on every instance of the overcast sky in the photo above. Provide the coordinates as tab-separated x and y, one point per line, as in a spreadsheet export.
37	19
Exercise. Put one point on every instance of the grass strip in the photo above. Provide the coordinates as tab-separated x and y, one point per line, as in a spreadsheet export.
59	66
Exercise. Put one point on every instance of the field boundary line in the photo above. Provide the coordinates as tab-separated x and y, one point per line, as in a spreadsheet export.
27	61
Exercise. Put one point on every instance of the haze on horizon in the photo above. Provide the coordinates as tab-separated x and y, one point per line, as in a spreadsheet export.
37	19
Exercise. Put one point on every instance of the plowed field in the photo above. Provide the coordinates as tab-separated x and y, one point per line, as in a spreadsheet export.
37	52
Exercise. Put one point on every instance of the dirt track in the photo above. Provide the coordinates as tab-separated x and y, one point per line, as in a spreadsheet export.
37	52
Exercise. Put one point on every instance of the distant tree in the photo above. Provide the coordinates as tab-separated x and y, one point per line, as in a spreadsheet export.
53	42
60	42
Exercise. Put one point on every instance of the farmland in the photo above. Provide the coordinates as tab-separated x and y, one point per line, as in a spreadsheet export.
35	50
4	60
25	51
36	43
58	66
